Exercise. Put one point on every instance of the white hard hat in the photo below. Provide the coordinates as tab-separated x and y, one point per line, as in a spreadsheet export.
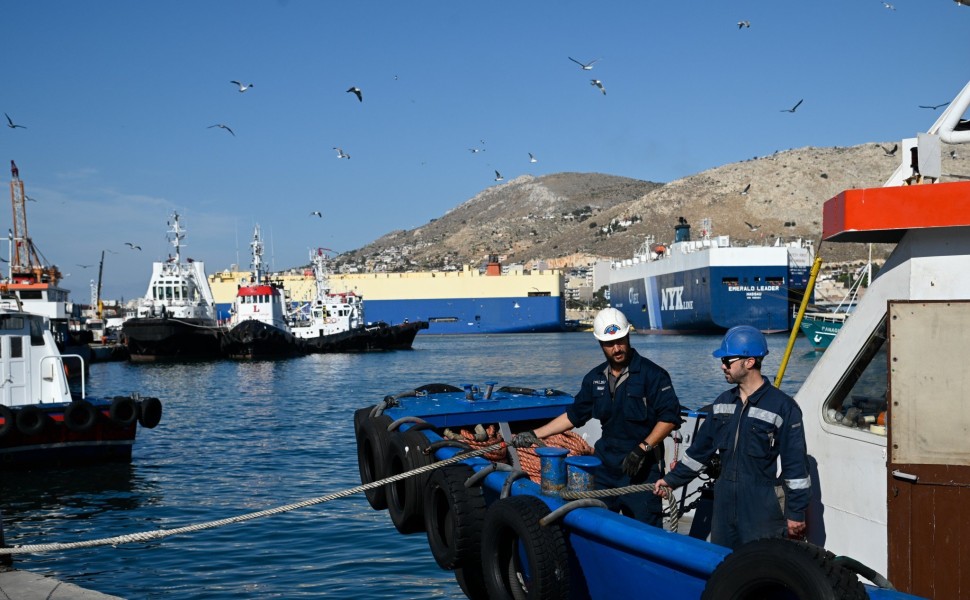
610	324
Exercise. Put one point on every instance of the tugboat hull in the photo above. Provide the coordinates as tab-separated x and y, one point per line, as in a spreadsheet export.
368	339
159	339
255	339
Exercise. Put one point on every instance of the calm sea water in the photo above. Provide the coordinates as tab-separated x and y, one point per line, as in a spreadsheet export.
238	437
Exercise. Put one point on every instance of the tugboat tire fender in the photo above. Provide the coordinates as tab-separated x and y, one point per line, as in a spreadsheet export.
123	411
372	458
32	420
405	502
511	535
149	412
80	416
453	516
766	567
9	420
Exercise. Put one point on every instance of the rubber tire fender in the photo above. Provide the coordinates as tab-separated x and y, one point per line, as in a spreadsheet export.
123	411
80	416
511	534
405	497
372	458
360	415
31	420
149	412
453	516
9	420
771	567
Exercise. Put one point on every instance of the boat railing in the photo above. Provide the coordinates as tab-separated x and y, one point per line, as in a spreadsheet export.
57	360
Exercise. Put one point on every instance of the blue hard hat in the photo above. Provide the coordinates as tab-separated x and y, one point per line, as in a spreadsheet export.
743	340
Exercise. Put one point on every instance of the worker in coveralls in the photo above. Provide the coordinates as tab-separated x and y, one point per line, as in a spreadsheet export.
750	425
634	400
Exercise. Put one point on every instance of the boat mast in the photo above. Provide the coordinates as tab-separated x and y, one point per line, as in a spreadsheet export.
257	249
321	273
176	234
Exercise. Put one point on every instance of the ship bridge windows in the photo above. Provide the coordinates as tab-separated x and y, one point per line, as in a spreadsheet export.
538	293
730	281
859	399
778	281
31	295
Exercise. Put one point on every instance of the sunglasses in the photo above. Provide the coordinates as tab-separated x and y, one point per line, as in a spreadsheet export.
727	361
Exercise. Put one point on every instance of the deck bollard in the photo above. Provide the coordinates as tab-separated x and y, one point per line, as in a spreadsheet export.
579	472
552	469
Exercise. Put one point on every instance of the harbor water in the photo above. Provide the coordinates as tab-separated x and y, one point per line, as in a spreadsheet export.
239	437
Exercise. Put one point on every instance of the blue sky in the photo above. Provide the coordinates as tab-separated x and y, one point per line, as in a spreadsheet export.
117	98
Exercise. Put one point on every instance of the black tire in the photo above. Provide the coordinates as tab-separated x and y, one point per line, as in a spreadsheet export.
80	416
512	532
149	412
453	516
405	498
9	420
123	411
781	568
32	420
437	388
372	458
360	415
472	582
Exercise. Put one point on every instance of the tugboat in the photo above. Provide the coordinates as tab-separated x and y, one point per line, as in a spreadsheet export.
176	318
258	327
42	424
335	322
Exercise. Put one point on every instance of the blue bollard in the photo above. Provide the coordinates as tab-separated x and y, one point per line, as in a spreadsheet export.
579	472
553	469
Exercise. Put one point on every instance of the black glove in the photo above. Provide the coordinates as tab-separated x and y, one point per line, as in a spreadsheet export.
635	459
526	439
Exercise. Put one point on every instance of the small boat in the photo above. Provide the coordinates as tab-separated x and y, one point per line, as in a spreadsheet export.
175	319
821	327
44	424
258	326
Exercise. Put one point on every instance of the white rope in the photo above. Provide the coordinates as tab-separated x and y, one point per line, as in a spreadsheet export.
163	533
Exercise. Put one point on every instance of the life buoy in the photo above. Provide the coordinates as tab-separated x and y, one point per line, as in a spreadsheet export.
405	503
453	516
149	412
521	558
9	420
123	411
80	416
771	567
32	420
372	457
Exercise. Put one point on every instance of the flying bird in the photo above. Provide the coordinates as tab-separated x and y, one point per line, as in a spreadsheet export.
584	66
221	126
794	108
11	124
890	151
357	92
316	213
498	176
532	158
4	260
29	198
340	153
744	24
934	107
242	87
132	246
752	227
599	84
889	6
744	192
85	266
476	150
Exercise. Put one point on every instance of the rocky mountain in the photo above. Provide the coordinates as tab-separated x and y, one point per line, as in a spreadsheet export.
571	218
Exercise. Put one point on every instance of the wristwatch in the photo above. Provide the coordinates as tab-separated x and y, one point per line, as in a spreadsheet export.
646	446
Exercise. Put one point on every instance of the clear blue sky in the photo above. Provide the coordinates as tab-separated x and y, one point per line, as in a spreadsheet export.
117	98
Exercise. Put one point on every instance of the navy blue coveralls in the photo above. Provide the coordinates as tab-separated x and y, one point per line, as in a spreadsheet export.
627	417
749	438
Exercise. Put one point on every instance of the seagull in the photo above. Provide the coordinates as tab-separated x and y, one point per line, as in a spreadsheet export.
11	124
744	192
4	260
792	109
340	153
221	126
356	90
498	176
934	107
744	24
752	227
29	198
584	66
598	84
889	6
132	246
532	159
316	213
85	266
890	151
476	150
242	88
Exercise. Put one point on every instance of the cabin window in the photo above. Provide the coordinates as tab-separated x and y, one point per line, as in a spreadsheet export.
16	346
36	331
9	323
859	399
31	295
779	281
729	281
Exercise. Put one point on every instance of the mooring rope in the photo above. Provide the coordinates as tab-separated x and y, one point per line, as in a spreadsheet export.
163	533
673	518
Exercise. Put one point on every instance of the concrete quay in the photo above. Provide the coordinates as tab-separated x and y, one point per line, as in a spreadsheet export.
25	585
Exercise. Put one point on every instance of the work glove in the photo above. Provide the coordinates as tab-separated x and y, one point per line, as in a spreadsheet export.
635	459
526	439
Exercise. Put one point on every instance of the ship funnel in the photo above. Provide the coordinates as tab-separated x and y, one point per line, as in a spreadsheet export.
682	231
